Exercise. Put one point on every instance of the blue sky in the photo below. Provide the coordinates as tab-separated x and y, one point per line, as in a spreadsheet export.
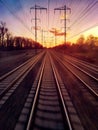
82	20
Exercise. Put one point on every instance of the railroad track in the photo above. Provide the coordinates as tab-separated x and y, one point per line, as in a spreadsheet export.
88	68
89	80
11	80
28	104
31	104
39	100
13	95
51	107
84	101
17	68
92	66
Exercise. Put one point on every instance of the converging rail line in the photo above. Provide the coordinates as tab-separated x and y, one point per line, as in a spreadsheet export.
9	79
84	63
35	96
89	70
14	91
89	80
52	107
84	100
48	108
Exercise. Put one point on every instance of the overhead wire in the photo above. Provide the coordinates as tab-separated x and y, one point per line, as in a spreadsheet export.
83	31
24	15
79	17
18	18
75	13
73	6
83	14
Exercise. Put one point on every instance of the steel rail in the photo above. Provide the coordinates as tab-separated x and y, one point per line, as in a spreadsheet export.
27	70
61	96
92	66
81	62
82	70
90	89
17	68
35	98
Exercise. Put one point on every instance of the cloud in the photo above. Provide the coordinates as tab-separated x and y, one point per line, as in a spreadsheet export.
57	32
60	34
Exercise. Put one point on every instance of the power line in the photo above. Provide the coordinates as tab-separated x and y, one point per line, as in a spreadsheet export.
84	12
64	8
36	7
84	31
20	20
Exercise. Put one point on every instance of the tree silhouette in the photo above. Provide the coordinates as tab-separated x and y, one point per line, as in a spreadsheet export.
3	31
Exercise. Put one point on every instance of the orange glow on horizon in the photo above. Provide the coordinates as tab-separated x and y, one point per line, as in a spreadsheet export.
59	36
93	31
53	26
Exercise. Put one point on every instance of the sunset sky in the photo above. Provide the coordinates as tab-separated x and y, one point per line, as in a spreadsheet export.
83	19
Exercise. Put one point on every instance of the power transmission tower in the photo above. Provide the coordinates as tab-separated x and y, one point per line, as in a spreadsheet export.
44	36
42	31
64	8
36	7
55	37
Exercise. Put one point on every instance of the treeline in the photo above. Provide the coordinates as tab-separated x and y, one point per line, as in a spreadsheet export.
85	49
81	46
10	42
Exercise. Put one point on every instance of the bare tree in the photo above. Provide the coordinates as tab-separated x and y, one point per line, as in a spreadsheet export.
3	31
81	40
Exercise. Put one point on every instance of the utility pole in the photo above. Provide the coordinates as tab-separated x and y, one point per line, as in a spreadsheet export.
48	12
64	8
55	37
36	7
42	35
